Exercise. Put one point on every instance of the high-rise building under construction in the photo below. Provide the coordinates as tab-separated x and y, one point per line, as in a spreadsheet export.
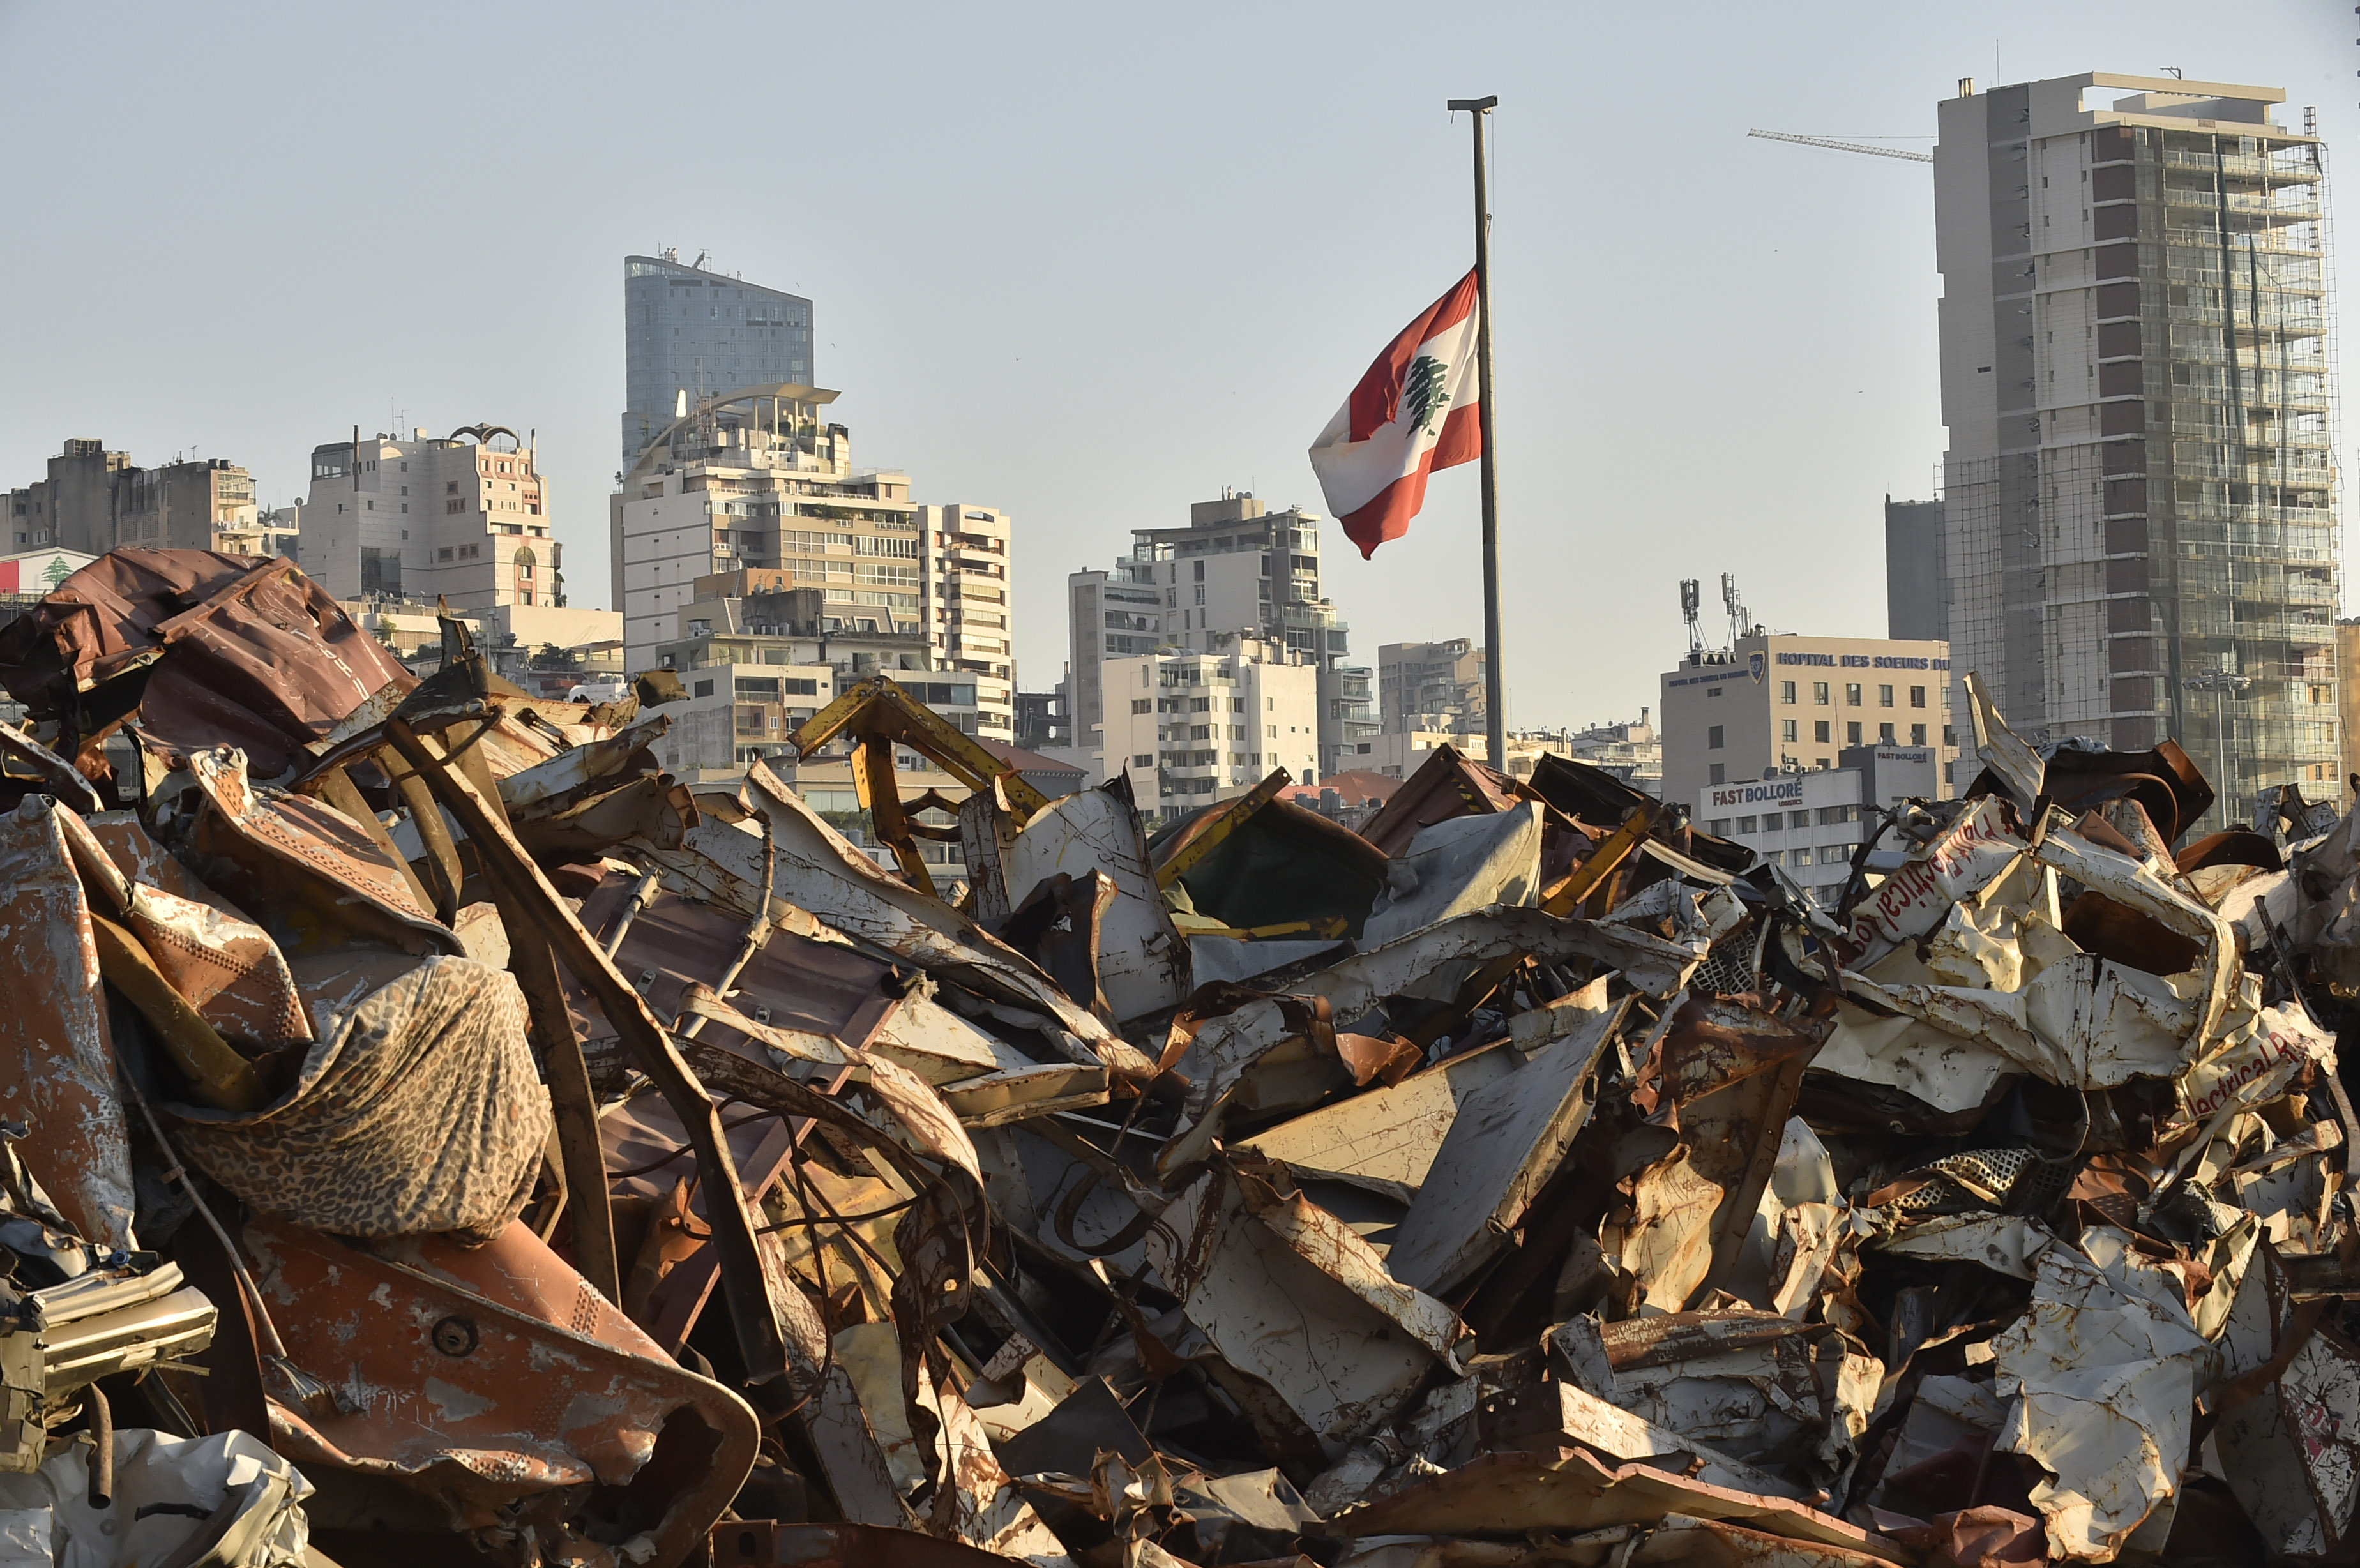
2139	493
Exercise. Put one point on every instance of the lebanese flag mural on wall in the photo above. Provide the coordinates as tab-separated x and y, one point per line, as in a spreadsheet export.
1415	411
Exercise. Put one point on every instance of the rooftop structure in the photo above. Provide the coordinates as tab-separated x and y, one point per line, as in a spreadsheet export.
689	334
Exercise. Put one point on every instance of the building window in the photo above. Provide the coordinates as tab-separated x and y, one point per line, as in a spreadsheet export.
1949	736
1885	696
1852	734
1884	735
705	688
1851	693
1745	824
1143	706
1917	735
1820	728
1718	770
1786	729
1799	818
1717	826
1803	856
1916	696
1713	741
1785	690
1819	692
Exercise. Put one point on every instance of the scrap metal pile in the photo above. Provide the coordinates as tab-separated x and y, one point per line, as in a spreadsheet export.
429	1128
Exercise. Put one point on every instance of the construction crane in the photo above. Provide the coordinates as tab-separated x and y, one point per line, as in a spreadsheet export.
1844	146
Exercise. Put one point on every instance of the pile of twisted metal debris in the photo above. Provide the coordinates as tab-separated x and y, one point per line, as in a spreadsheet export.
429	1128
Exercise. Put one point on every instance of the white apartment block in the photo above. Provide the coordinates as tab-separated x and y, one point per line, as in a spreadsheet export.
466	519
1237	570
1776	703
757	496
1198	727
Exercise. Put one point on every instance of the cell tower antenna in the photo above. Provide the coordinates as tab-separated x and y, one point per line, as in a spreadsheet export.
1691	600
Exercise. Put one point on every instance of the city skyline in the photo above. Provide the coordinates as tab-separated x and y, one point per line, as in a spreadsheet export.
1097	367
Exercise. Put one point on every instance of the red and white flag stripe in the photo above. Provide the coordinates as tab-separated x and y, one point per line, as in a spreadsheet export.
1414	411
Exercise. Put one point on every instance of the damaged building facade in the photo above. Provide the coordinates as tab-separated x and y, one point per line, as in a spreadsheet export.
2139	499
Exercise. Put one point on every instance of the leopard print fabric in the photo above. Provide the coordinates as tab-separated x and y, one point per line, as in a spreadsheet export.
419	1110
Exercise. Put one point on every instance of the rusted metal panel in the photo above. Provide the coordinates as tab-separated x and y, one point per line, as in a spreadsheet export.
57	1055
496	1383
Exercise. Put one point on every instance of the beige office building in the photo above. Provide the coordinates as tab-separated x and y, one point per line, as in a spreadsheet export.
464	517
1778	704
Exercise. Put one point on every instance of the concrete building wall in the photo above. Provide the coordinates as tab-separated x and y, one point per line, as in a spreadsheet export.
92	500
1916	588
1208	726
1237	570
1808	822
1418	682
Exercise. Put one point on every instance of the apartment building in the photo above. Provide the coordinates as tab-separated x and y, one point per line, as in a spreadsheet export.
1238	569
759	655
92	500
756	496
463	516
2139	501
1777	702
690	333
1432	686
1206	725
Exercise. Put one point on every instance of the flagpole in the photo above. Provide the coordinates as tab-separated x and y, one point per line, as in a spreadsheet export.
1495	716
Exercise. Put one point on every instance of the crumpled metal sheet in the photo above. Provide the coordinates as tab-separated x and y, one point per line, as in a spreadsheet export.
1984	1220
56	1056
1143	964
2103	1373
1341	1361
238	651
1458	867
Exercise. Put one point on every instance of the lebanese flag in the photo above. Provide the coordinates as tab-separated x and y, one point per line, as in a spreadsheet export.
1415	411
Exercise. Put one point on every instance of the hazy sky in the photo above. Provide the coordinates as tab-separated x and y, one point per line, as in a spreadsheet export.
1087	263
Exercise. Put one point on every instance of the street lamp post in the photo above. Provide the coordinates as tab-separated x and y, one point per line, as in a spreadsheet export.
2224	684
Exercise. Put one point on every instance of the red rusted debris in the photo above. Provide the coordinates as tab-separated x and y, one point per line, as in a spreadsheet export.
426	1120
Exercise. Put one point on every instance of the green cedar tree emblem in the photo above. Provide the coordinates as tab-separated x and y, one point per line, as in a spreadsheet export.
1424	400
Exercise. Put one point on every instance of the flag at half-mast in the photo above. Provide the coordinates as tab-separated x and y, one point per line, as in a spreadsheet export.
1415	411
